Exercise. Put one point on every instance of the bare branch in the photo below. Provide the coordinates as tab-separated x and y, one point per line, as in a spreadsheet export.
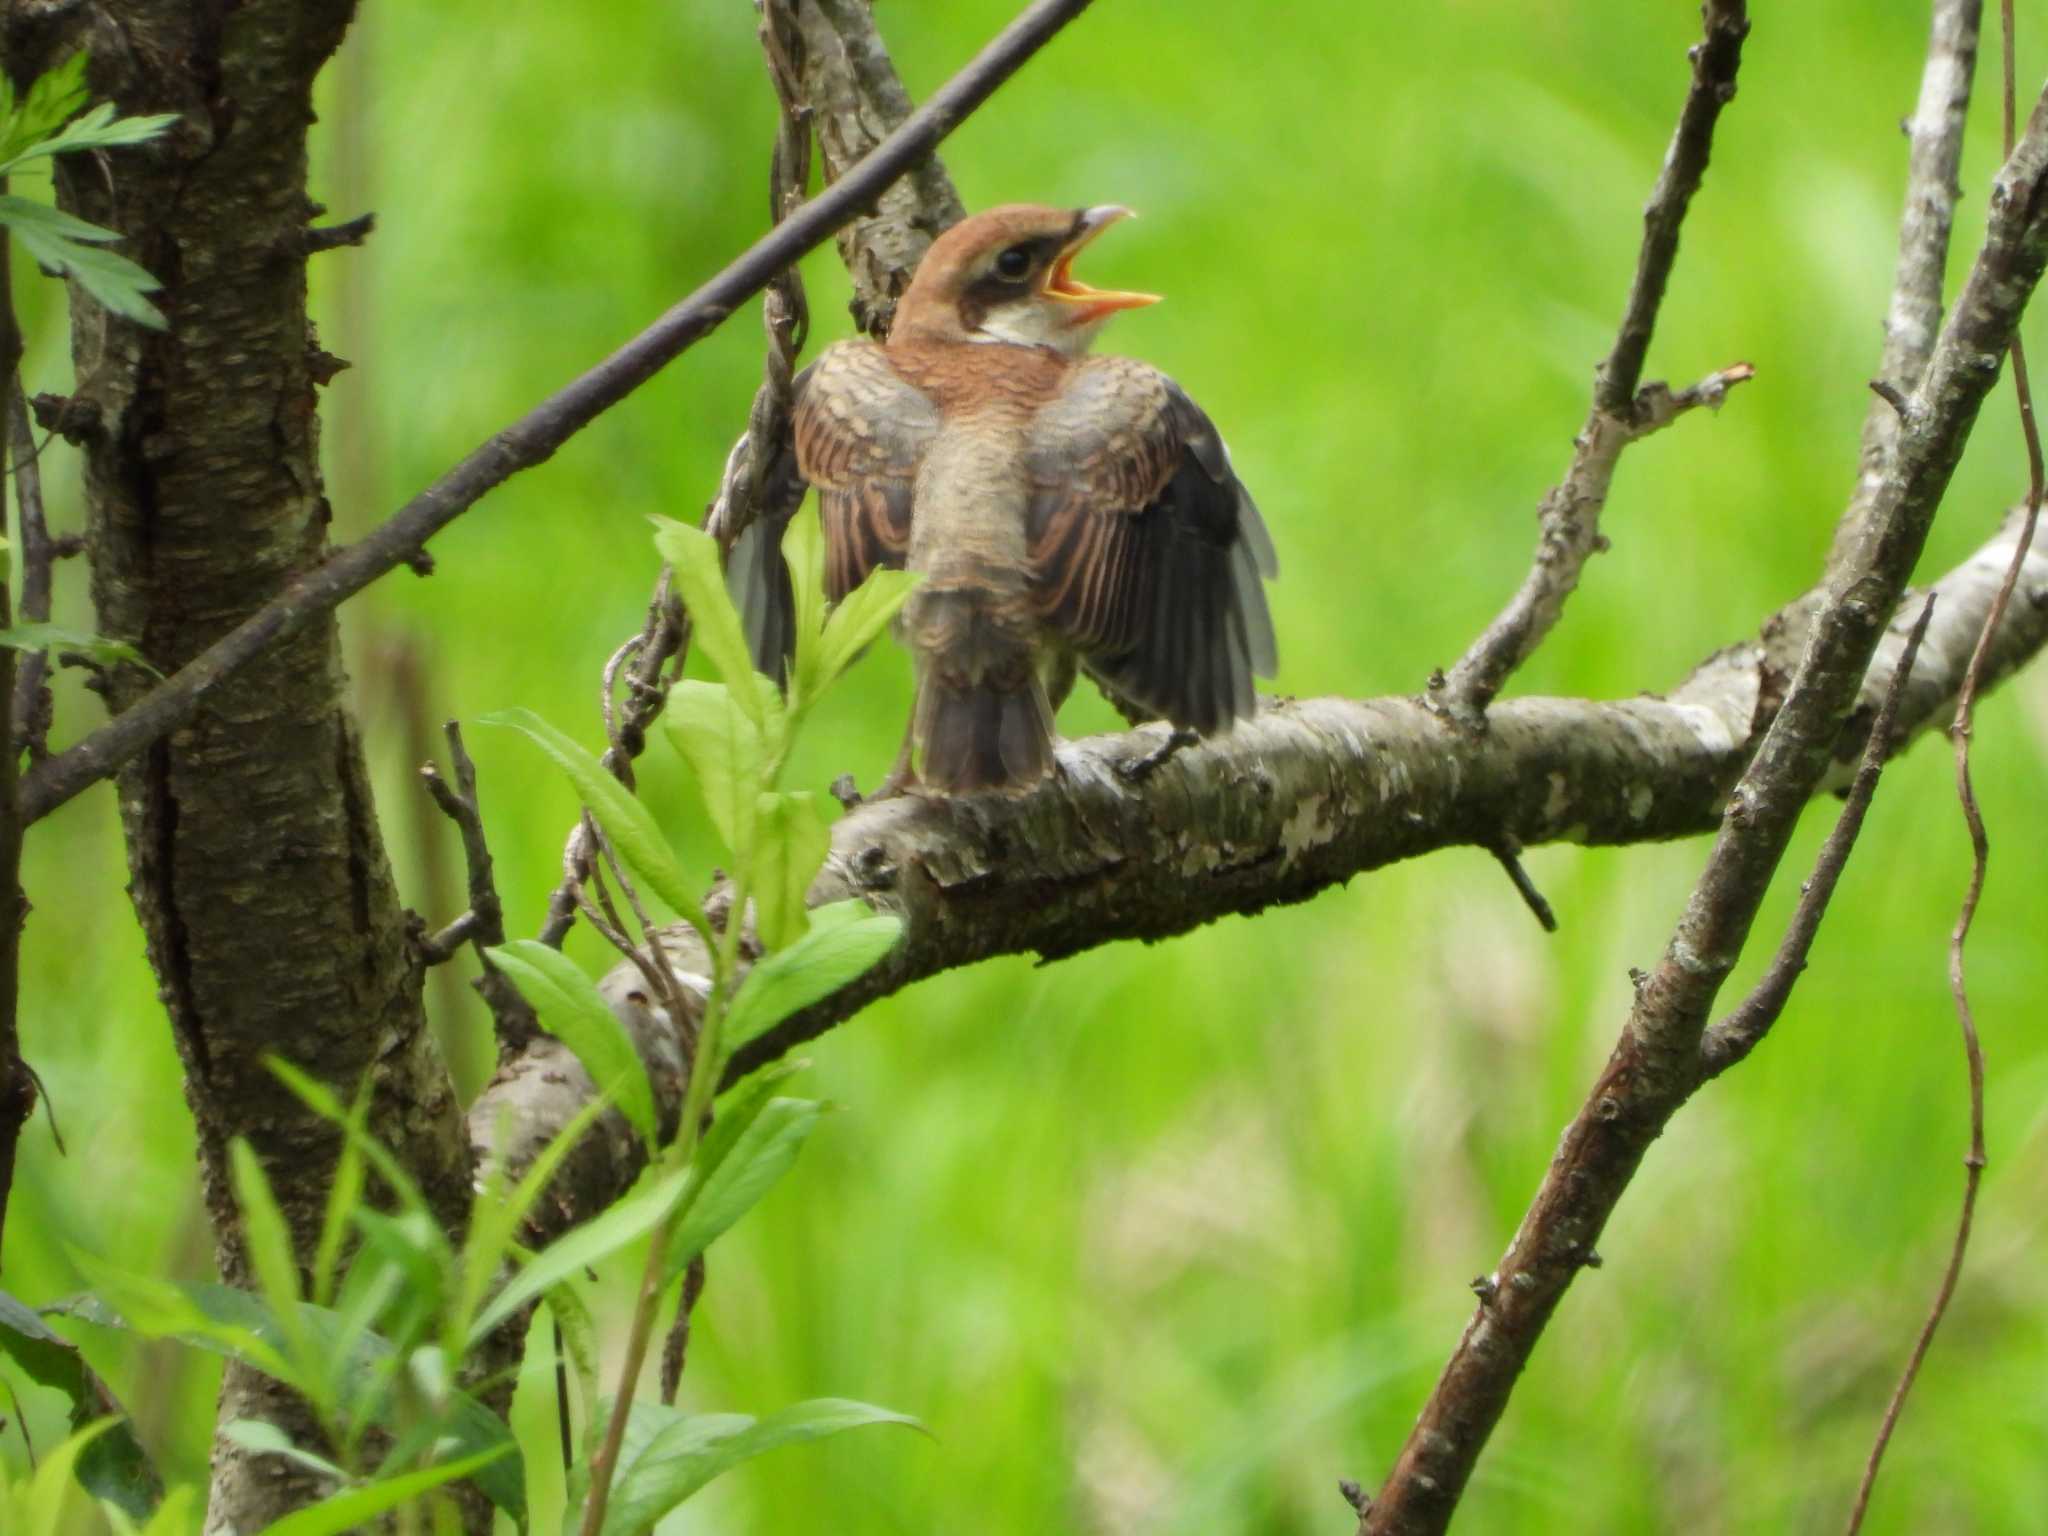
1569	517
1715	59
483	925
535	436
1935	132
31	704
1655	1065
1737	1035
1980	858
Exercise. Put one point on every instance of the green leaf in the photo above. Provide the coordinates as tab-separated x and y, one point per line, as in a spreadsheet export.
760	1154
97	129
212	1317
571	1010
175	1516
113	1467
269	1244
496	1216
71	246
51	1483
346	1510
803	550
724	750
845	941
633	1217
863	615
738	1110
791	840
54	96
266	1439
579	1341
344	1197
628	823
714	621
41	637
683	1452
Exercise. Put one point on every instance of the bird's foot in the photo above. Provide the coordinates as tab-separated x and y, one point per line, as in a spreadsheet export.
1139	769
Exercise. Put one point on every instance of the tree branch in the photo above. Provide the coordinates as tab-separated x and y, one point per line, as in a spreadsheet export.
483	925
1570	514
1656	1062
1935	132
535	436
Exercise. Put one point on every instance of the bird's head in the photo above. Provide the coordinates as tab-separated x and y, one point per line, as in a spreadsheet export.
1007	276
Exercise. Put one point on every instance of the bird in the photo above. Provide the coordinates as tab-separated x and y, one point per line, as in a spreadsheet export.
1064	510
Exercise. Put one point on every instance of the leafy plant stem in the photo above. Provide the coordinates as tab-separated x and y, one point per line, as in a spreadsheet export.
17	1092
706	1067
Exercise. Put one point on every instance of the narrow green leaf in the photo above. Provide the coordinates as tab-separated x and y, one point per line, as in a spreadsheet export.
212	1317
724	750
319	1098
791	840
496	1216
346	1510
269	1243
579	1343
344	1196
686	1451
51	1484
845	941
760	1154
714	622
41	637
628	823
863	615
175	1516
738	1110
571	1010
803	550
99	129
633	1217
267	1439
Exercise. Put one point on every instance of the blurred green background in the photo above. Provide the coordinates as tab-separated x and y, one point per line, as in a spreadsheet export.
1167	1239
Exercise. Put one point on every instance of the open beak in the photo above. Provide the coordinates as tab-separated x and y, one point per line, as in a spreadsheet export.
1091	304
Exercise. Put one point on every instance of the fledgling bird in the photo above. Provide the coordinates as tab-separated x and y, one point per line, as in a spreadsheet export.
1061	508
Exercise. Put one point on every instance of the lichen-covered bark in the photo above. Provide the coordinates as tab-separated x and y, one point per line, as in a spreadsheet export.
258	875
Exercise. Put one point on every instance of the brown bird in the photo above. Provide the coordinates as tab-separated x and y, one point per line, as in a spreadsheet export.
1060	508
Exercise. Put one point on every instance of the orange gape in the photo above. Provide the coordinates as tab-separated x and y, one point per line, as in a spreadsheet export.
1061	508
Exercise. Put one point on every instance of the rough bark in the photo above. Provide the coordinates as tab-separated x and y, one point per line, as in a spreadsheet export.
263	890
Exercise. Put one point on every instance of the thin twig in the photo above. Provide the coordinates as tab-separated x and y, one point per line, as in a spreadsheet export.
664	635
17	1083
1508	853
32	705
535	436
1654	1067
1569	516
1749	1021
483	925
1980	855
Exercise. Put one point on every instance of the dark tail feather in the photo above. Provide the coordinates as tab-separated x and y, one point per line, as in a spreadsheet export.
976	736
758	579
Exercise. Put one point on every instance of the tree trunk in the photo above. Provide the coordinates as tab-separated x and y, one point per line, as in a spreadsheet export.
271	917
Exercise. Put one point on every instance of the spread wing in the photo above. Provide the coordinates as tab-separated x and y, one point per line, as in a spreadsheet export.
1147	553
860	434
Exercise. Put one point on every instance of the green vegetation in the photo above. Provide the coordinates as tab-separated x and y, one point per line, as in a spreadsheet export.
1166	1239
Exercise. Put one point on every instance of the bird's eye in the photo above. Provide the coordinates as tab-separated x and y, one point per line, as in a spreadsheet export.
1014	263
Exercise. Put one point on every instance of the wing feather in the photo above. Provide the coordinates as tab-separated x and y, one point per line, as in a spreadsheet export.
1148	555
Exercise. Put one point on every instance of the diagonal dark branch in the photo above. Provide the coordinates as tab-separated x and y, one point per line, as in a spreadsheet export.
1655	1066
1569	516
1729	1041
537	435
